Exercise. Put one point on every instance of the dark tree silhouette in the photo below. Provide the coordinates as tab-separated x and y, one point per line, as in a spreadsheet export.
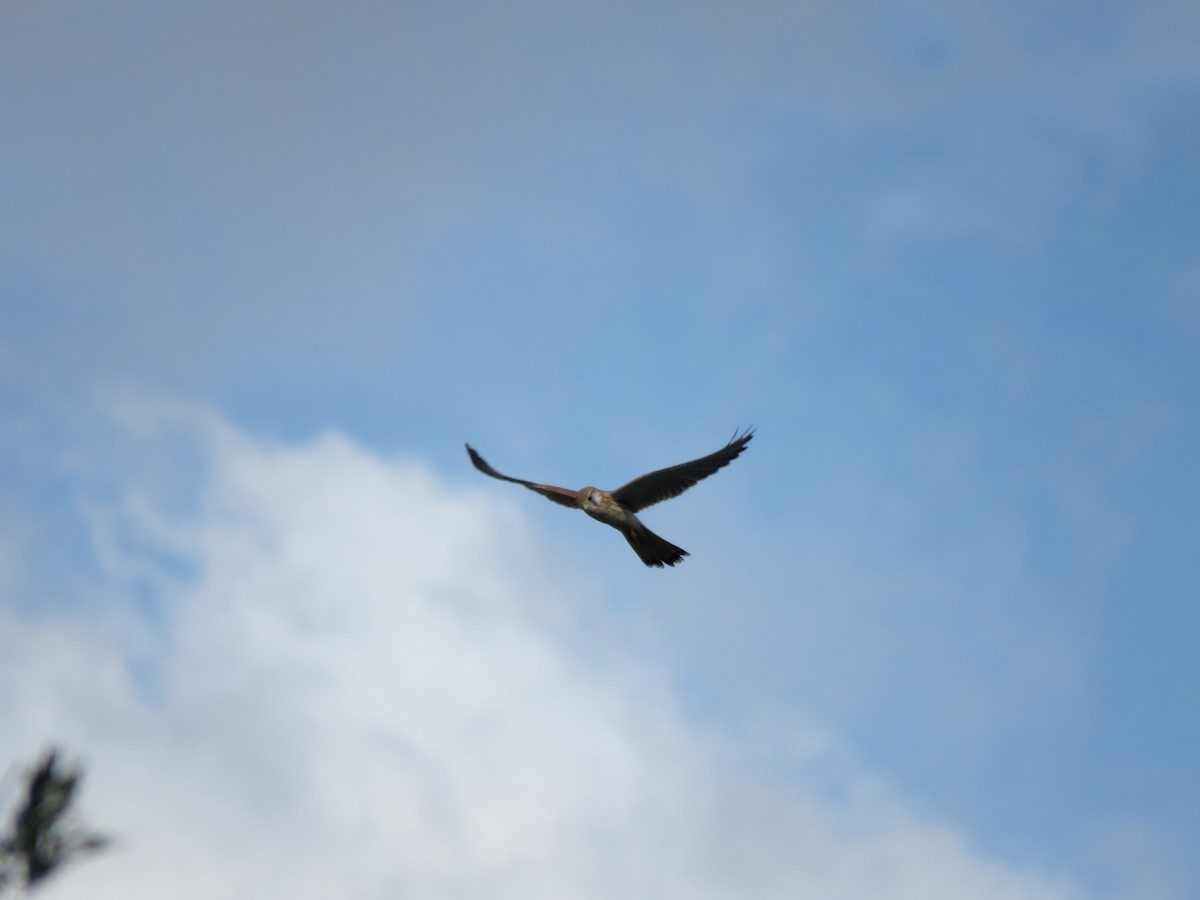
44	834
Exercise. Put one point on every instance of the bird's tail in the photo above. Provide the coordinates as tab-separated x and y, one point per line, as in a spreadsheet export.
653	550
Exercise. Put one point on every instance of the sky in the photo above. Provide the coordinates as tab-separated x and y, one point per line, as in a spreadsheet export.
264	268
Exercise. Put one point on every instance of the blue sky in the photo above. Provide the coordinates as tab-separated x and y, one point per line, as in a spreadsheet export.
263	271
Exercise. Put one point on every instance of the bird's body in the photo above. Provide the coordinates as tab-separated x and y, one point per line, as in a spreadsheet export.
652	549
601	506
619	508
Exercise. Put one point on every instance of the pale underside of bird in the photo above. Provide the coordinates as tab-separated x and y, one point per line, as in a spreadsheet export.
619	508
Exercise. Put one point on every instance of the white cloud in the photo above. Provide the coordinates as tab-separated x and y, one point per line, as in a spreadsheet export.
307	671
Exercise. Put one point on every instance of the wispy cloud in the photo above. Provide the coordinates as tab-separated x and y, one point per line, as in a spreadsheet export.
307	670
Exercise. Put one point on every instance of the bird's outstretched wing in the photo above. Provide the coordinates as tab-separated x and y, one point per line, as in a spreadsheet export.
654	487
549	491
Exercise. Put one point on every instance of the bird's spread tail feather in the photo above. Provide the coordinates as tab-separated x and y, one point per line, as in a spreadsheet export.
653	550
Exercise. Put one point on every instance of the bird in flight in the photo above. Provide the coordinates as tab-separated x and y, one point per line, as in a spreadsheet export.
618	508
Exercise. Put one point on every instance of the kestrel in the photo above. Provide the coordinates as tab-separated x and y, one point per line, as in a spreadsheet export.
617	508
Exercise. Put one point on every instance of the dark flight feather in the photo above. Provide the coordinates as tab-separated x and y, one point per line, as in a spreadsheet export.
559	495
655	487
